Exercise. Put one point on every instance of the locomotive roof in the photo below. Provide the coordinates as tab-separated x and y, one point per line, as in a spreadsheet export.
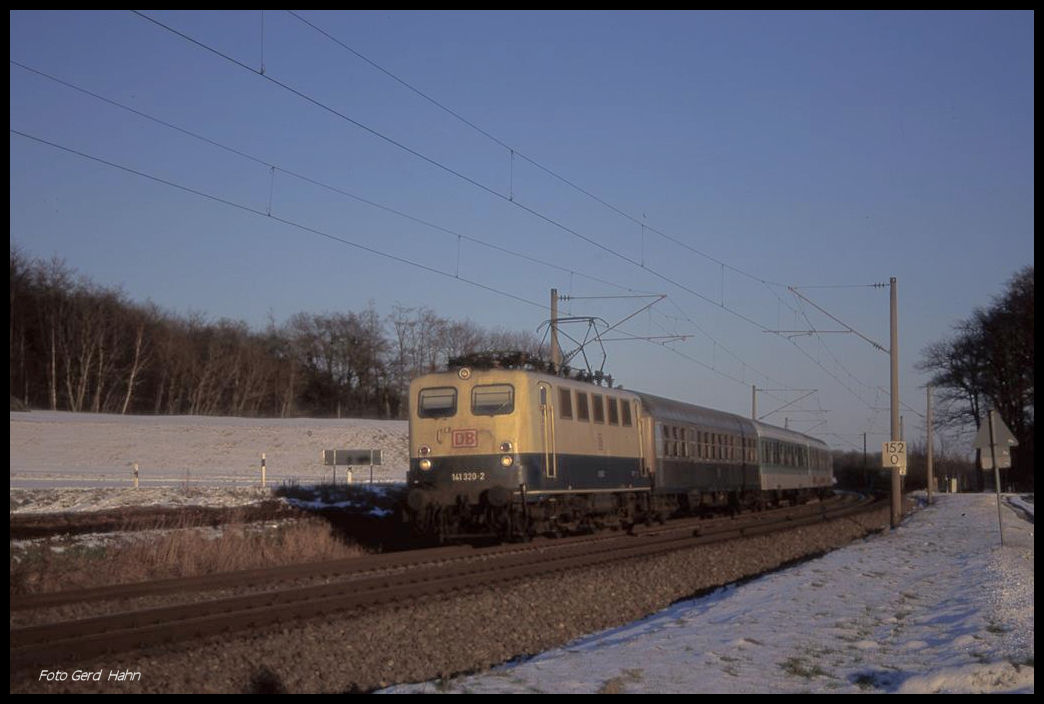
590	382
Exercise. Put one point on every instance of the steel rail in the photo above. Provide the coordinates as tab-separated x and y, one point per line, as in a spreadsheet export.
331	569
87	638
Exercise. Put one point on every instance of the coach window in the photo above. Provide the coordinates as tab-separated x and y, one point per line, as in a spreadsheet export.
438	402
493	400
565	403
582	412
614	414
598	406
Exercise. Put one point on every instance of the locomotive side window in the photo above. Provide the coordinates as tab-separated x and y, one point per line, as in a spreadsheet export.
565	403
582	409
493	400
598	407
614	414
437	402
625	409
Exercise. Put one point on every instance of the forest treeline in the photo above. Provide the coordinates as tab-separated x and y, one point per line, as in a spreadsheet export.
78	346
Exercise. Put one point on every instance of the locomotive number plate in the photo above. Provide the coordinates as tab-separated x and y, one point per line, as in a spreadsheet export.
465	438
468	476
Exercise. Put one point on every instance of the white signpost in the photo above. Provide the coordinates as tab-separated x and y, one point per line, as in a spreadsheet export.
352	457
893	456
994	442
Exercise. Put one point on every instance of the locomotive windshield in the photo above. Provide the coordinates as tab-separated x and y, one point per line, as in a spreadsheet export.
439	402
493	400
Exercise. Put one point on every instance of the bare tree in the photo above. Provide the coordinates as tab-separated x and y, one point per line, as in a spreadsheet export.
989	363
139	358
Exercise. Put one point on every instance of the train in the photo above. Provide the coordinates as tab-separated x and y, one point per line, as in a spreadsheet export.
512	448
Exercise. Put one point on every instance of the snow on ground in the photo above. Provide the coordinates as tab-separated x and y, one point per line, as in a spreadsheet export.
937	605
77	461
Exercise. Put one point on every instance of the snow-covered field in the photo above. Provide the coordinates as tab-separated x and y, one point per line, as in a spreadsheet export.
77	461
937	605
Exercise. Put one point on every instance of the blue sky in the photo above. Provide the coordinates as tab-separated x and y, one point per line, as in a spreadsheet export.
732	155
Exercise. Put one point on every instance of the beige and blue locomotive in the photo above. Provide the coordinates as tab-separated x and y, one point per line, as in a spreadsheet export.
517	451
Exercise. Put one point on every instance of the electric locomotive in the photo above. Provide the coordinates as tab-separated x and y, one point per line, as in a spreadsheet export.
510	449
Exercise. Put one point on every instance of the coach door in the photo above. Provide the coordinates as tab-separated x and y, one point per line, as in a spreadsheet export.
547	429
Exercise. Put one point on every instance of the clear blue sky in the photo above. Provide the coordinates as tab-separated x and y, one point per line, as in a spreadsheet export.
732	155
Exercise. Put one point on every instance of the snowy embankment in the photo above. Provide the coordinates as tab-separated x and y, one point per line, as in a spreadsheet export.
219	459
937	605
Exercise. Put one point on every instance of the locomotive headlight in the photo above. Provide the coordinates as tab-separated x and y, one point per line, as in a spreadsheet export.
424	464
505	447
507	461
424	450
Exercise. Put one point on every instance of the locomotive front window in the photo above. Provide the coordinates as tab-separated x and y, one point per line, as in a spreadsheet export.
493	400
439	402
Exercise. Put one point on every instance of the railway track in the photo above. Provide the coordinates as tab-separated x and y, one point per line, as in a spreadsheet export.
279	600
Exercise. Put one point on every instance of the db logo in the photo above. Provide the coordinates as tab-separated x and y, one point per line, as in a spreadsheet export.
465	438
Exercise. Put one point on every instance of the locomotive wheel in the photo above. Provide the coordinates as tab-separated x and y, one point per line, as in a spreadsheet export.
499	519
440	526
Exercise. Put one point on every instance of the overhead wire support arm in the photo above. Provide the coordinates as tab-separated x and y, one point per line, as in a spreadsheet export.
848	328
798	333
785	405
